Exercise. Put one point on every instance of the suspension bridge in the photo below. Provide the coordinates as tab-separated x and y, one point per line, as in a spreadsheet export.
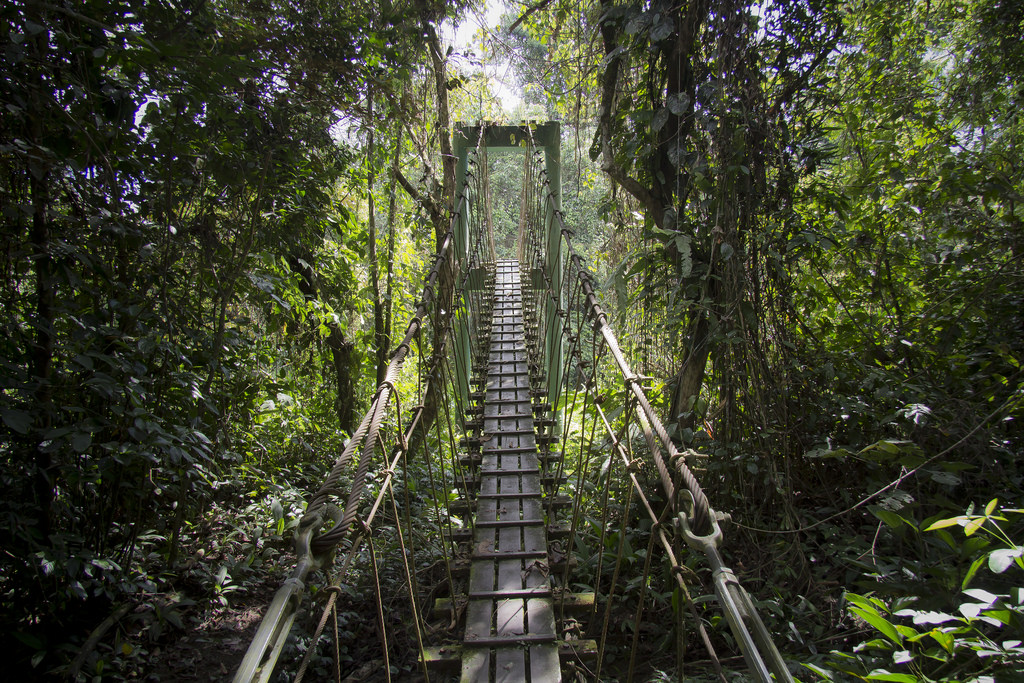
499	385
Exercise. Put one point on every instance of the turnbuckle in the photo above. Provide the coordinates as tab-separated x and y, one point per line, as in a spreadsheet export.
746	626
265	648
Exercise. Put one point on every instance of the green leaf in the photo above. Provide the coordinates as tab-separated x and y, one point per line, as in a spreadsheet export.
889	447
981	595
890	518
926	616
943	523
862	601
823	453
17	420
879	622
991	506
81	441
677	103
942	638
947	478
973	525
1004	616
970	610
971	571
685	260
824	673
883	675
659	120
1000	560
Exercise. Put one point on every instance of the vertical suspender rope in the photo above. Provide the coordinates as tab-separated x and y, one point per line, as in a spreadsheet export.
695	520
314	549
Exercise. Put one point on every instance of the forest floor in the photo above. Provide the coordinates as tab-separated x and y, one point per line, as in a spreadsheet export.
214	646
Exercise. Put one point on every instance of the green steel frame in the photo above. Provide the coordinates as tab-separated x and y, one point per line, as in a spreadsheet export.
546	136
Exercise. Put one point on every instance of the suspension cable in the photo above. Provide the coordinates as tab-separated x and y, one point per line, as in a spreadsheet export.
694	519
315	546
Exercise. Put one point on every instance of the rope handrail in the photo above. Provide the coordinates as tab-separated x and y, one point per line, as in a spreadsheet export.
315	549
695	521
565	306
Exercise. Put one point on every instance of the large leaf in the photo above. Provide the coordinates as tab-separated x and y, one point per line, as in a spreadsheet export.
1000	560
17	420
883	675
872	616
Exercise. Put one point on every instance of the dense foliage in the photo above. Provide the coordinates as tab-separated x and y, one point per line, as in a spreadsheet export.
186	204
817	214
807	217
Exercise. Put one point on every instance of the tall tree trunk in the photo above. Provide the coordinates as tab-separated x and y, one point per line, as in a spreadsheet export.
342	349
41	356
42	350
343	360
444	123
690	379
392	229
380	343
443	304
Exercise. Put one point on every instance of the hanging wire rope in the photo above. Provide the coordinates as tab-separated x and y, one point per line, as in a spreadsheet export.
686	503
572	355
325	526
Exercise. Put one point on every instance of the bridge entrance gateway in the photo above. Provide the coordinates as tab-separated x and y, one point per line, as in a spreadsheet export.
509	362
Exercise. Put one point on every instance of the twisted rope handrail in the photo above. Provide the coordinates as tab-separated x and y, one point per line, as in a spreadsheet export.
314	548
696	522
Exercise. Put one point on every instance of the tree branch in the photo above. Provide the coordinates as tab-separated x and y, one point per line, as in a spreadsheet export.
802	79
525	15
609	83
424	200
633	186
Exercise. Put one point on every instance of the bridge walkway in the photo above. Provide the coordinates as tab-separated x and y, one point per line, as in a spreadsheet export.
510	625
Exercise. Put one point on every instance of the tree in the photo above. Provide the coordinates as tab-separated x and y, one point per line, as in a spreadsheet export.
168	216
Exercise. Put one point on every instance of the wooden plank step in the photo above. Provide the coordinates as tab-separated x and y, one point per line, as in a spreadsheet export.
572	604
511	555
508	594
473	460
464	507
498	641
501	523
508	471
546	480
447	658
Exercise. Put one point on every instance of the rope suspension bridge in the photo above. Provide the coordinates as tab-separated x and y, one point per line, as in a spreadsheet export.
499	385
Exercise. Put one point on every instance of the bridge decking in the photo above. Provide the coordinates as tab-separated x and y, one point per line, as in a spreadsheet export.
510	625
